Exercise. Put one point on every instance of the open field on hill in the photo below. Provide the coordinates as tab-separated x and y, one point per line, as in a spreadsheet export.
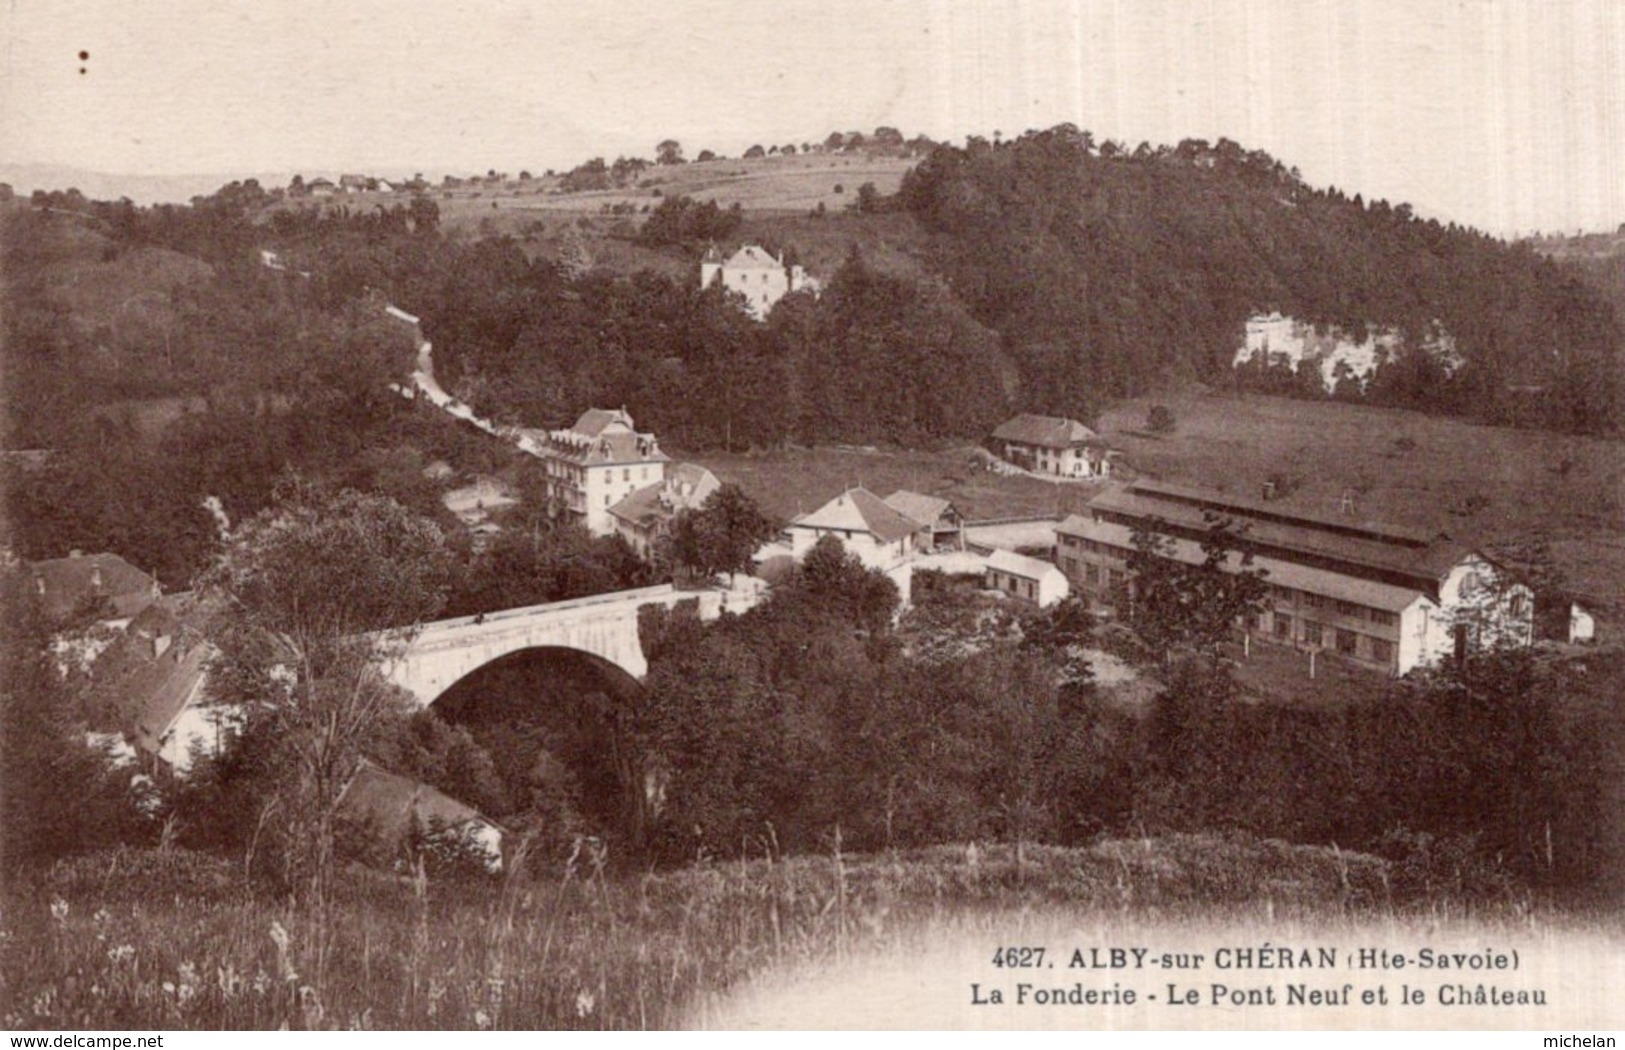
173	940
801	480
1481	484
776	193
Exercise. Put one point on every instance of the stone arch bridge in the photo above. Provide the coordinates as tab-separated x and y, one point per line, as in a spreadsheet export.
440	654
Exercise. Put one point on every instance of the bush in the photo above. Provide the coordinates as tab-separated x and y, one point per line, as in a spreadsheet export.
1160	420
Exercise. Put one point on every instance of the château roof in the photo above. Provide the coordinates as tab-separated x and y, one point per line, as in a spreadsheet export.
601	437
752	257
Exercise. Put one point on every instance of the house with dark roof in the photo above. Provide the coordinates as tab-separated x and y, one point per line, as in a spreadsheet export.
1374	594
1052	445
167	720
643	517
596	463
394	807
942	527
86	588
881	536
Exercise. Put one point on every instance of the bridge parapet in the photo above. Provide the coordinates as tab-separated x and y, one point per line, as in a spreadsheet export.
437	655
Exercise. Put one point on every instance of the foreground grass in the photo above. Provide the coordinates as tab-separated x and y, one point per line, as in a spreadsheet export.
174	940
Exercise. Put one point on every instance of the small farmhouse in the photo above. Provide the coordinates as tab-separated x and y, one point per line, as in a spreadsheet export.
169	722
83	588
475	504
1053	445
1029	579
761	278
395	807
880	536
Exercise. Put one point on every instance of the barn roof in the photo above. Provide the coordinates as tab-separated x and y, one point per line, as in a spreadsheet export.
927	510
1358	546
859	510
1044	431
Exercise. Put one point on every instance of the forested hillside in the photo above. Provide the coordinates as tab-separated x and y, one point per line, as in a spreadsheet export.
1106	270
163	362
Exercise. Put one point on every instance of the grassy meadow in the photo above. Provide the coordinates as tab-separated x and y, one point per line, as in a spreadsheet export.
174	940
796	481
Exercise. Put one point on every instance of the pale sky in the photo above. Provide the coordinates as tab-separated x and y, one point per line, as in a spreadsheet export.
1507	116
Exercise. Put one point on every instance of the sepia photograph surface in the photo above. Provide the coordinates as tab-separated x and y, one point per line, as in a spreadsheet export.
1047	515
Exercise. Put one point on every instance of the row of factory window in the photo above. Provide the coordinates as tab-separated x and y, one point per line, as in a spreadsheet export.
1285	628
1287	597
1282	596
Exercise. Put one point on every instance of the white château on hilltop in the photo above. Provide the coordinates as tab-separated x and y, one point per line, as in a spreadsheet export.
761	278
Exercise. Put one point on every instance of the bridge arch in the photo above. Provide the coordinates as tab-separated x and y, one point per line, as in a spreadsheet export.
556	724
439	654
593	663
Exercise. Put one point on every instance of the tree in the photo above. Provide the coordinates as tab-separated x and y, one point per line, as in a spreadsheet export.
670	151
1177	604
58	795
755	151
312	595
423	213
889	137
722	534
1160	420
704	156
834	580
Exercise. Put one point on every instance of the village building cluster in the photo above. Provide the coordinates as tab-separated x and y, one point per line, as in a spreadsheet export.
1387	599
